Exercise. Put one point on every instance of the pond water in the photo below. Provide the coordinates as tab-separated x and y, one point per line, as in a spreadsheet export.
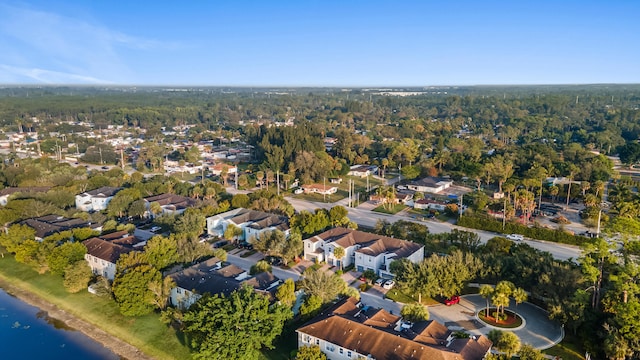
26	332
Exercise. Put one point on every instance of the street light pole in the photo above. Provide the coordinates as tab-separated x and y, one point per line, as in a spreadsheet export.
599	218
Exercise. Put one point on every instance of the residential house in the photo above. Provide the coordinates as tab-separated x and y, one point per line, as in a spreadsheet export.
7	192
95	200
251	222
430	184
399	198
213	277
360	171
351	330
429	204
51	224
102	256
218	168
170	203
319	189
366	251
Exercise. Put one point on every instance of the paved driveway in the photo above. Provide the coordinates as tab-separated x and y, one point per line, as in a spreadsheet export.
538	330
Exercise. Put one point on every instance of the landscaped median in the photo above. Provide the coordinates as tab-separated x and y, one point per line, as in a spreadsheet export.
146	333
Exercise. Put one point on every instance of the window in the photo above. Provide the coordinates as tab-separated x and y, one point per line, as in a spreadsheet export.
348	353
317	341
341	351
179	291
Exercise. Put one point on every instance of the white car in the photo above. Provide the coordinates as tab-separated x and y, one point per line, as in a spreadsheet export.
515	237
298	191
388	284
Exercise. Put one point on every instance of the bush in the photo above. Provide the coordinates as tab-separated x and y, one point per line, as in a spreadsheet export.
486	223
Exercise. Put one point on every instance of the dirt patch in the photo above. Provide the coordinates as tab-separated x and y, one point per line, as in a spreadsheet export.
121	348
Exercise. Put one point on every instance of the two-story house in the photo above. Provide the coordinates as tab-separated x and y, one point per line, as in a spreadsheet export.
366	251
104	251
350	330
95	200
102	256
214	277
251	222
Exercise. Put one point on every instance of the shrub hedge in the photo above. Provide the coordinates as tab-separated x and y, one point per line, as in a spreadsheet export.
487	223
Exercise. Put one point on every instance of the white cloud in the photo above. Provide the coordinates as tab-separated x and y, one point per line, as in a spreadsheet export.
49	47
15	75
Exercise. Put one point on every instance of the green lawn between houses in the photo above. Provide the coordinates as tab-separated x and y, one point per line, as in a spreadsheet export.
146	332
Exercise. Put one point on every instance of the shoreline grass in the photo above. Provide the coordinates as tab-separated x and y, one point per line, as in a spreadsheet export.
147	333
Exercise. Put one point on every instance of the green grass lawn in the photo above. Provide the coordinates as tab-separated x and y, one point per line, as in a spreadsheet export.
322	198
146	333
397	295
396	209
568	349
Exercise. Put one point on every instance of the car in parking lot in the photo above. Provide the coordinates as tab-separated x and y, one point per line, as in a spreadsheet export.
515	237
380	281
388	284
155	228
452	300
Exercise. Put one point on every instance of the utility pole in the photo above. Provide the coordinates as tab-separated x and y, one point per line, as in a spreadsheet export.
100	151
504	213
324	188
236	176
122	158
278	181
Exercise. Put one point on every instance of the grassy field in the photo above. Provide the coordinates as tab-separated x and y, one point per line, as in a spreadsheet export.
399	296
146	333
394	210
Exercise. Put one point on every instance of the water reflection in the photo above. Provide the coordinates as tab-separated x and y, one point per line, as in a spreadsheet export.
60	325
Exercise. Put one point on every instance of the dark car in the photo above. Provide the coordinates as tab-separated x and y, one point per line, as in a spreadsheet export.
219	244
452	301
274	260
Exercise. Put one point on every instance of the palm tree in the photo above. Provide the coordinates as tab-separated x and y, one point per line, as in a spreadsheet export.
155	208
385	163
338	253
519	295
554	191
572	172
259	177
500	301
486	291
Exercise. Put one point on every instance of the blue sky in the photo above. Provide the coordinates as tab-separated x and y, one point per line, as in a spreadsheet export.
319	43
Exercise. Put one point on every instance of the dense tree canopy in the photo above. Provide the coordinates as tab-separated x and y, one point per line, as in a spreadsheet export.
214	323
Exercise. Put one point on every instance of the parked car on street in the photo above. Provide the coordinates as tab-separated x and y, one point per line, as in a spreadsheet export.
515	237
452	301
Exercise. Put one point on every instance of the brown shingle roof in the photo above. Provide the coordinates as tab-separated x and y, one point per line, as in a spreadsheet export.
172	200
105	191
362	334
370	244
105	250
261	220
